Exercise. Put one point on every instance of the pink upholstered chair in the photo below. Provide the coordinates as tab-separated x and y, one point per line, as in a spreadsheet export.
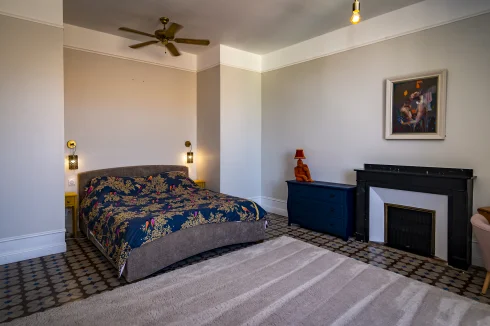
481	227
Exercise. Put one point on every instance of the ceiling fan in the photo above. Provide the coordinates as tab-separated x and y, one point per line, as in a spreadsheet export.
165	36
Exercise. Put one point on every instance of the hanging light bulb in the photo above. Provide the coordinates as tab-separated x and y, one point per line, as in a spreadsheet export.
356	9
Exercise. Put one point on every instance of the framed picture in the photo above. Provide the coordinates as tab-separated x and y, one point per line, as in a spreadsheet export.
416	106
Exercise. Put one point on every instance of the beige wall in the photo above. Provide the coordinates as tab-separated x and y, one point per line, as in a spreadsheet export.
124	113
240	132
31	138
208	127
333	107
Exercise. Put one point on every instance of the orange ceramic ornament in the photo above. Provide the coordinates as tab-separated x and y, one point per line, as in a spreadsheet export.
301	171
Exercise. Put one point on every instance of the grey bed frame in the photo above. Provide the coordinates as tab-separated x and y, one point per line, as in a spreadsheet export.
158	254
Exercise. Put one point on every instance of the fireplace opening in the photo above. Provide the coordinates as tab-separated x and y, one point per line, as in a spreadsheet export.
411	229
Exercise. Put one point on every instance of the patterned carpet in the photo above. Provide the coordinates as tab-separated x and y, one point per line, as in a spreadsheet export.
38	284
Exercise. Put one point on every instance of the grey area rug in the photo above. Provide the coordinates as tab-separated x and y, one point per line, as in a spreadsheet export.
278	282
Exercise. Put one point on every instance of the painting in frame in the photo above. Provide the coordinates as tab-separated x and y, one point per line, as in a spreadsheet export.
416	106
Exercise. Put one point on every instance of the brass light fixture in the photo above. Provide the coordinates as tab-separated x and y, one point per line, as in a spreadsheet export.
165	36
190	154
356	12
72	158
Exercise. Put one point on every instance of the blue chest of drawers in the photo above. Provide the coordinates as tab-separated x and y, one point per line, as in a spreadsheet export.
322	206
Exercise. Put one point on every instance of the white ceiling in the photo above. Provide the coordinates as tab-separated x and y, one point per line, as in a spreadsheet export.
257	26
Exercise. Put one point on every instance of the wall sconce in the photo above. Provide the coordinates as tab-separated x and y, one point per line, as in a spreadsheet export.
190	154
72	158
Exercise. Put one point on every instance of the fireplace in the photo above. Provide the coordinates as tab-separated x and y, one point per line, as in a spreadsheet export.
410	228
454	184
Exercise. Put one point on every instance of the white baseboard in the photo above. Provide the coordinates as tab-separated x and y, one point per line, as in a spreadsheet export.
256	199
273	205
30	246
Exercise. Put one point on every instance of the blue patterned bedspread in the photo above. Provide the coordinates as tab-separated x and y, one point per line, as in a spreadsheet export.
124	213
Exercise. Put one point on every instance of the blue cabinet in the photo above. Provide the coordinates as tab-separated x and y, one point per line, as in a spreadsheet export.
322	206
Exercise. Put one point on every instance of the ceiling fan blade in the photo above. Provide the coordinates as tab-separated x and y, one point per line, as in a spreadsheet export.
135	31
174	28
140	45
191	41
173	50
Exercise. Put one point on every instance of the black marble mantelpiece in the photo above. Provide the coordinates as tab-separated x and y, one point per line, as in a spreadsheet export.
420	170
457	184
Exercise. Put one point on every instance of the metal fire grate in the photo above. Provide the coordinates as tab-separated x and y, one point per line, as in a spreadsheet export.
411	229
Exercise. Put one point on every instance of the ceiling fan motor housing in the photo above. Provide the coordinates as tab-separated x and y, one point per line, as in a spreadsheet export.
160	34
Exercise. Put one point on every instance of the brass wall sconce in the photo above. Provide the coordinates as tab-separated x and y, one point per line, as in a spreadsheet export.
72	158
190	154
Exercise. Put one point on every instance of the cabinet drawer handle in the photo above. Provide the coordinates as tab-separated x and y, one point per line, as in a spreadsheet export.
332	210
332	195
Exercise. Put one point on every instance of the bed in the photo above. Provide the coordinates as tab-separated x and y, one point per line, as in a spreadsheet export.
144	218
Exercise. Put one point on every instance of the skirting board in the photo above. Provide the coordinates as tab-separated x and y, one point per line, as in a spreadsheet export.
32	246
273	205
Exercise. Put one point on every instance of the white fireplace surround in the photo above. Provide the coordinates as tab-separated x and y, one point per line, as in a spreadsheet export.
438	203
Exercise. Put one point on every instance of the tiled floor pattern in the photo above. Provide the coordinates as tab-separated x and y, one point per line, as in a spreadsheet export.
38	284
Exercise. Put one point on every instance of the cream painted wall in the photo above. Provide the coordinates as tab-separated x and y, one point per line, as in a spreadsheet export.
45	11
31	138
208	127
333	107
124	113
240	132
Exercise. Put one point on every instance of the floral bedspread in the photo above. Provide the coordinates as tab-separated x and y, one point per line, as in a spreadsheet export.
124	213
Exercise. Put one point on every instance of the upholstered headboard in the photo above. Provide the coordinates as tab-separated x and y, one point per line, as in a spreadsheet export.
125	171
